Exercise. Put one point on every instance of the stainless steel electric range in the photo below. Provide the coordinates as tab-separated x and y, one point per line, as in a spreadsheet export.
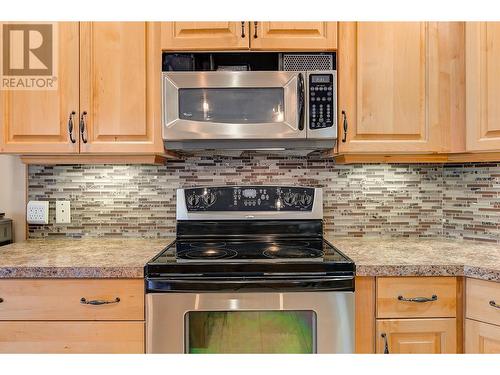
250	272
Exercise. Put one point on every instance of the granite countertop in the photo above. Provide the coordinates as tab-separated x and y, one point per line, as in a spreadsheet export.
125	258
79	258
421	257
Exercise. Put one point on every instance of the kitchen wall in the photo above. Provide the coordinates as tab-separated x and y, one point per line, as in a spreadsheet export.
458	201
13	193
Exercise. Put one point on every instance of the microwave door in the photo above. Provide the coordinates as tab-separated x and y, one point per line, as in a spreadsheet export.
233	105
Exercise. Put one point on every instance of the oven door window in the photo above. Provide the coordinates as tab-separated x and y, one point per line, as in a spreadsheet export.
232	105
218	332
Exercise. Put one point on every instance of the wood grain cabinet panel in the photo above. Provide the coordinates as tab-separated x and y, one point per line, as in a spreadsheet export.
36	121
293	36
417	336
483	301
400	86
483	86
26	299
392	292
481	338
72	337
204	36
120	87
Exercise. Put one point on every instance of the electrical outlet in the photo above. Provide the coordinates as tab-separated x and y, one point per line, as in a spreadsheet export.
63	212
37	212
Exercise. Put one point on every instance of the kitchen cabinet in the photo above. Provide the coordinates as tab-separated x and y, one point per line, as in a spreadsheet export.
72	316
483	86
207	36
108	86
400	86
120	87
293	36
255	35
36	121
417	336
481	338
482	310
418	315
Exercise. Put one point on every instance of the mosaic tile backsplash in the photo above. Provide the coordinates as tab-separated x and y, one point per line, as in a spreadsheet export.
456	201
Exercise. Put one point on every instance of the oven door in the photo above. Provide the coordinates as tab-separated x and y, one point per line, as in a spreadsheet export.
233	105
294	322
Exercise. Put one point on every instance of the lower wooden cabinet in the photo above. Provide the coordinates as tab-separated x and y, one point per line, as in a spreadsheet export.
71	337
416	336
481	338
72	316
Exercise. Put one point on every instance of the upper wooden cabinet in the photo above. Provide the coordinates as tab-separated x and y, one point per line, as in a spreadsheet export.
209	36
483	86
266	36
109	76
400	86
37	120
120	87
293	36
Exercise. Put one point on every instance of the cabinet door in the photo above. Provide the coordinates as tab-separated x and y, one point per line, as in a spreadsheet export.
481	338
419	336
483	86
120	87
204	36
295	36
36	121
399	86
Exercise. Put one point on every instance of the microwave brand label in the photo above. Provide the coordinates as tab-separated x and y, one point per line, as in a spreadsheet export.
29	60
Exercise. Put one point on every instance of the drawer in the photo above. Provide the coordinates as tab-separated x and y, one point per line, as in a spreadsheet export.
481	298
481	338
396	297
417	336
71	337
29	299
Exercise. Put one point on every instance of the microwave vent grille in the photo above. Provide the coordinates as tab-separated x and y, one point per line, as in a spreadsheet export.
309	62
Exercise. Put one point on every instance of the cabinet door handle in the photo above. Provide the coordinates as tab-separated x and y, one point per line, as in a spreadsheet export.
70	126
386	344
82	126
494	304
418	299
255	26
344	126
1	299
242	29
85	301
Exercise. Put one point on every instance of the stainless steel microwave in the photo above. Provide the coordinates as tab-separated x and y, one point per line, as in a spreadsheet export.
249	110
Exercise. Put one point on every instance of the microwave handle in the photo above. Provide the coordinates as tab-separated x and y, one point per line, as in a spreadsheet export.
301	100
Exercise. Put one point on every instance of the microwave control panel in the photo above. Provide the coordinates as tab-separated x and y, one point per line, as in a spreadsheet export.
321	101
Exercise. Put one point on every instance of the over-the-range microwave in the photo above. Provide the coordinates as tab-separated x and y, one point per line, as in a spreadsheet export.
249	110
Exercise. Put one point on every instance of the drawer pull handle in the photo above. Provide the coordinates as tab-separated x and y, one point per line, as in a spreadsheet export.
418	299
1	299
492	304
84	301
386	345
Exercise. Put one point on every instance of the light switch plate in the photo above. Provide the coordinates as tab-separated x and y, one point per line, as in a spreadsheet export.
63	212
37	212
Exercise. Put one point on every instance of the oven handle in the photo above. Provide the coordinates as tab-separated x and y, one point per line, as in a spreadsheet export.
334	283
301	100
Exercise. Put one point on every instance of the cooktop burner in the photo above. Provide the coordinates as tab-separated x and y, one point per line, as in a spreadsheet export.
292	252
208	253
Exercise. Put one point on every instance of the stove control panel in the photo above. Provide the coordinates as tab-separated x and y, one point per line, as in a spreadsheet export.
249	198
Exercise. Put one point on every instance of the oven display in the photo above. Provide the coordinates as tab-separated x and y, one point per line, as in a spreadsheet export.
249	193
321	78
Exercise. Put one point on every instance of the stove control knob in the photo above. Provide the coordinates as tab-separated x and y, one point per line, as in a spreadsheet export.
290	198
306	199
209	198
193	200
